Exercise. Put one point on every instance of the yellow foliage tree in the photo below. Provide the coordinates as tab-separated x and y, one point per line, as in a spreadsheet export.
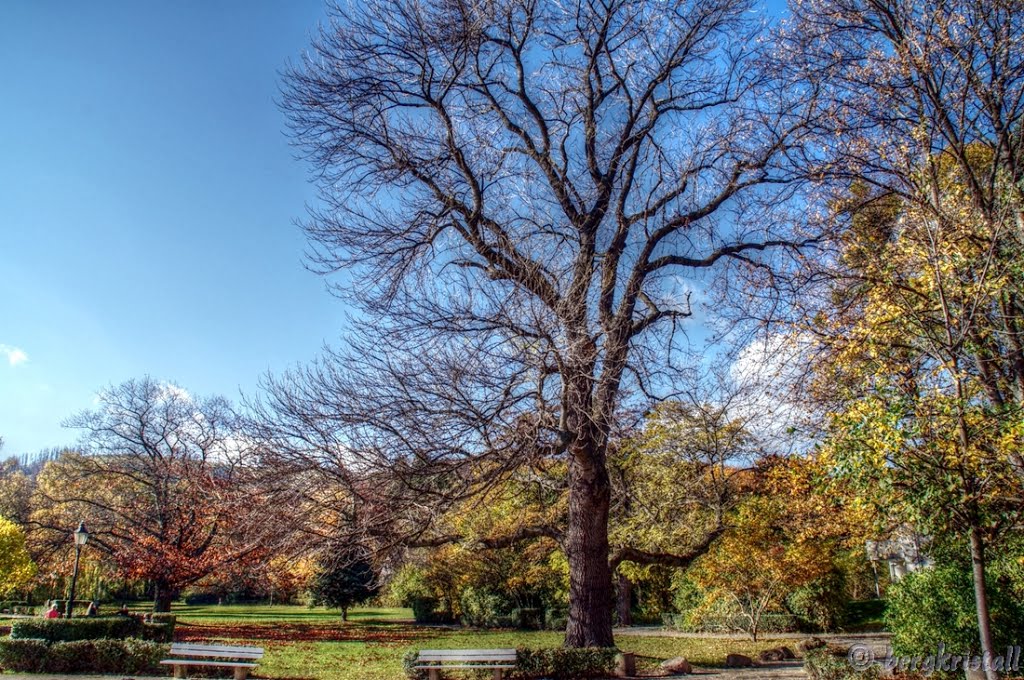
16	566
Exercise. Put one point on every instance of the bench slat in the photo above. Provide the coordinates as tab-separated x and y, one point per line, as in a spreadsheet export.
425	655
486	665
215	648
200	662
468	651
216	655
465	658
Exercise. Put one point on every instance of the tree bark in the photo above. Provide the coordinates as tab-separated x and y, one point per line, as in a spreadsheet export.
590	575
625	598
163	595
981	601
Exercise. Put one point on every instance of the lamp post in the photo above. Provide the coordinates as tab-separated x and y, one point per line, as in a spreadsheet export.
81	538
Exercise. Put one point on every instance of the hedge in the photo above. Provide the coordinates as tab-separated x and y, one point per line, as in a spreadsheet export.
557	663
69	630
560	663
131	656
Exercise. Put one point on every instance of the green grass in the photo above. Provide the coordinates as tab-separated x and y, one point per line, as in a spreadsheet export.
865	616
314	644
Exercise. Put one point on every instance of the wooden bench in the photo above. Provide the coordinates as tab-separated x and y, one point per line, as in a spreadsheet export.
242	659
434	660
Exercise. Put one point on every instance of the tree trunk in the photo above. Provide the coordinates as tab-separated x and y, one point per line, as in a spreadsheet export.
590	575
163	595
625	595
981	601
344	613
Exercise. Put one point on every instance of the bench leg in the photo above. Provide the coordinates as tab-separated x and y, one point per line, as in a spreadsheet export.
497	674
432	674
241	673
179	671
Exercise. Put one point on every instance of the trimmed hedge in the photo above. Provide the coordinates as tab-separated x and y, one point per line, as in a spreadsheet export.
21	655
131	656
560	663
159	627
557	663
69	630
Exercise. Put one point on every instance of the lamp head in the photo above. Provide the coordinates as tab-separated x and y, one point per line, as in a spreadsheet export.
81	534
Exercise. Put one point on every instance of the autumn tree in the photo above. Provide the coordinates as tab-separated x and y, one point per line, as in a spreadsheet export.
16	566
925	103
512	190
160	484
677	479
755	566
15	491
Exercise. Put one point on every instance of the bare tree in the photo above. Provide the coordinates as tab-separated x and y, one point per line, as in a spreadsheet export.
513	192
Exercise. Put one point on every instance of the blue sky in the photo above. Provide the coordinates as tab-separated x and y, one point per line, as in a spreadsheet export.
147	200
147	194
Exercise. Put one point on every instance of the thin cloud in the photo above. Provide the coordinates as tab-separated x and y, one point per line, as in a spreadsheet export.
15	355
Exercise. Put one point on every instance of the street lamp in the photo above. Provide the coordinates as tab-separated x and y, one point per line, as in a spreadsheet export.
81	538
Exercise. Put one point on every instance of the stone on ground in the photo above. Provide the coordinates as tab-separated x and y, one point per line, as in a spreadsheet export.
738	661
677	666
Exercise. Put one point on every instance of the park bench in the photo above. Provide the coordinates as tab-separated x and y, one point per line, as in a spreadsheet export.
434	660
242	659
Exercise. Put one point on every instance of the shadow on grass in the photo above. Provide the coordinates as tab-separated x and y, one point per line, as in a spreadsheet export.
300	632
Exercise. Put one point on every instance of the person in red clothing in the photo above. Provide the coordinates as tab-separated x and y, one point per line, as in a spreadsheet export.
52	612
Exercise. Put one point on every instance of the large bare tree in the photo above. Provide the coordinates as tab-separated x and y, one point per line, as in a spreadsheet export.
521	196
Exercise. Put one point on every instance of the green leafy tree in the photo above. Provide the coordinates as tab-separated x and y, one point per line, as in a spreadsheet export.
344	582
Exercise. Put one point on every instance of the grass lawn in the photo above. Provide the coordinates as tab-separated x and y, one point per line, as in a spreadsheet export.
314	643
865	616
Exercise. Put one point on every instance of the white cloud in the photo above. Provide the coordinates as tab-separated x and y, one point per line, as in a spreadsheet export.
772	371
15	355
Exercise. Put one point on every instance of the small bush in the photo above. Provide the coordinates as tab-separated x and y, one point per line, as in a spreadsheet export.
484	609
529	618
556	619
426	610
821	604
830	663
699	621
22	656
69	630
937	605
